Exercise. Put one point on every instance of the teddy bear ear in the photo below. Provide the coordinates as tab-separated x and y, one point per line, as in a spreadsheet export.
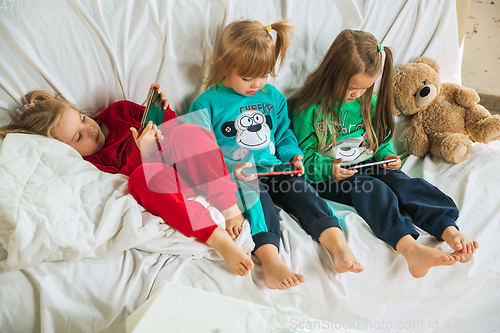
428	61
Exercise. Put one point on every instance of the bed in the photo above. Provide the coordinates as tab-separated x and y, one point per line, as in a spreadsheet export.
78	254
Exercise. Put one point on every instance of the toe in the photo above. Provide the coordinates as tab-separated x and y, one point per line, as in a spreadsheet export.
284	285
468	248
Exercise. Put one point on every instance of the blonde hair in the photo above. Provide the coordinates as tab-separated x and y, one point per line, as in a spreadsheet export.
248	47
40	114
352	52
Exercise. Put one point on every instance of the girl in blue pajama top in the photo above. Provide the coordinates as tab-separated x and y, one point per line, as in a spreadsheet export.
249	119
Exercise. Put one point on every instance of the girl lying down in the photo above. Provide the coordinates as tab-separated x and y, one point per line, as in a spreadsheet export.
165	167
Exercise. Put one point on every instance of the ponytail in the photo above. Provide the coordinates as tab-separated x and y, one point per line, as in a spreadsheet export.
283	36
39	115
248	47
384	119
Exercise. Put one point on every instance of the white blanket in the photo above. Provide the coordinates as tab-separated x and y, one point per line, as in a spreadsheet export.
57	206
100	51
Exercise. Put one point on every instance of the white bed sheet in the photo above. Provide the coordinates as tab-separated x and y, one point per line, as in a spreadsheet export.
97	52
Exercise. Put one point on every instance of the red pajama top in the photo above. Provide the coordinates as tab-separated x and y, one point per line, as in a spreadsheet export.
120	153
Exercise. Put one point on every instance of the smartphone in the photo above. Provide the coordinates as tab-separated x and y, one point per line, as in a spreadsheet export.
360	166
272	169
154	111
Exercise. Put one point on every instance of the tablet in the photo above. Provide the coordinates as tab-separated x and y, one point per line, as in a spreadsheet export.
360	166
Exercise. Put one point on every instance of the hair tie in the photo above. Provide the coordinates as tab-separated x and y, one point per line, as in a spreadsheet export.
380	48
25	107
268	28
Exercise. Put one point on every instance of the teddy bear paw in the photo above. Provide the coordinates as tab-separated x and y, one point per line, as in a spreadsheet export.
461	151
455	148
486	130
493	137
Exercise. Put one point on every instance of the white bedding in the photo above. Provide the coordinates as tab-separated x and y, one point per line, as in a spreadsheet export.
57	206
97	52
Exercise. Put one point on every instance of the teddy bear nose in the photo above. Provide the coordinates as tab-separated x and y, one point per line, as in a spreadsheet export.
424	91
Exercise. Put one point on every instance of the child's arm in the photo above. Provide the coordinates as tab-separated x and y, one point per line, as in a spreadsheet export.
317	168
199	115
286	143
239	174
149	142
386	152
121	115
134	159
146	146
383	150
297	161
392	165
338	173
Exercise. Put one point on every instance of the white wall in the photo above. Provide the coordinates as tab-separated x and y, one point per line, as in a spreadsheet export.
481	56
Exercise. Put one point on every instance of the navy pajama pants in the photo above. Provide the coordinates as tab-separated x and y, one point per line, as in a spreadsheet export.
298	198
391	202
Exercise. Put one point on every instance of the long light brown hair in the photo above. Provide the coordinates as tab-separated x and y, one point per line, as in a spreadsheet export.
39	115
247	47
352	52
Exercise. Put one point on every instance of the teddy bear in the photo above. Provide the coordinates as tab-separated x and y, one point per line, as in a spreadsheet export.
441	118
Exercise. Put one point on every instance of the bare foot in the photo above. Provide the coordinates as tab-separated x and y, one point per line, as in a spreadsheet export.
238	260
421	258
277	275
462	244
280	276
465	257
234	221
343	259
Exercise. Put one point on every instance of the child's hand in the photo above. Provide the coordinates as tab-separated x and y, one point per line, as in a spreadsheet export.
339	173
149	141
297	161
392	165
239	174
162	95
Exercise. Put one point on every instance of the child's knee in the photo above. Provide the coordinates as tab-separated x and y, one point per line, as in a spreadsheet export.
155	177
